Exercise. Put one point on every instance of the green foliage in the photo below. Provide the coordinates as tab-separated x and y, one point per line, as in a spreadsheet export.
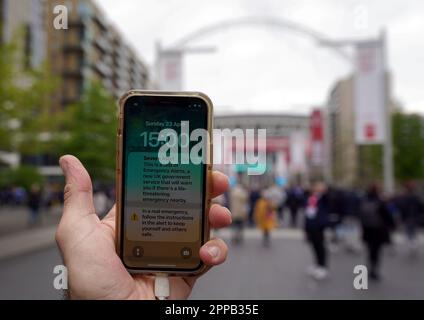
39	123
27	123
91	132
31	126
26	118
9	93
408	141
370	164
408	151
23	176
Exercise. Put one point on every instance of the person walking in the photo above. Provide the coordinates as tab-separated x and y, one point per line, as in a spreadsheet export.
265	216
277	196
350	223
411	207
376	224
238	203
254	196
34	203
316	221
336	213
295	201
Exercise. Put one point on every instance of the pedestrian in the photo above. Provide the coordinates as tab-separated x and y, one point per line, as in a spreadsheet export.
336	210
254	196
19	196
350	223
238	204
316	221
34	203
277	196
265	216
295	201
411	207
376	224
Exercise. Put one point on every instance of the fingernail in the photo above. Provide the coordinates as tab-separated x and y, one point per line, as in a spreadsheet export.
230	215
214	251
63	164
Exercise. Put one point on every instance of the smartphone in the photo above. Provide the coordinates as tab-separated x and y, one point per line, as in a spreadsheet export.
164	152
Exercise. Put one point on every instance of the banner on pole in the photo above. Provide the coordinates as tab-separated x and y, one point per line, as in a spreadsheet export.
170	70
369	93
317	138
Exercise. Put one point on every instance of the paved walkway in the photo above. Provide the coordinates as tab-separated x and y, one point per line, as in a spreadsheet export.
251	272
16	219
17	237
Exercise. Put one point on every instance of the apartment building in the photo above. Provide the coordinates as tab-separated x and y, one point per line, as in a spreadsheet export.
22	21
91	49
341	135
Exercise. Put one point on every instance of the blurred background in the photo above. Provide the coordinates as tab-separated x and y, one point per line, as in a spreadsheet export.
336	84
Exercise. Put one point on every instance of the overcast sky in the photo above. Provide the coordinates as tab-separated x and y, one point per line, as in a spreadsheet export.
267	69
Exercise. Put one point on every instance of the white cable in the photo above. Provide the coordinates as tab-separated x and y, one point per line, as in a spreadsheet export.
162	286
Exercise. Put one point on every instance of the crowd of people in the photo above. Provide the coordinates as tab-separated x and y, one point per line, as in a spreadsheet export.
329	216
36	198
41	198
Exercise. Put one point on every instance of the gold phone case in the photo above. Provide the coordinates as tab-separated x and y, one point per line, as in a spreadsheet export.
119	156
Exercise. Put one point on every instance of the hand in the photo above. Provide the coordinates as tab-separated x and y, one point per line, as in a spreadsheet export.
87	244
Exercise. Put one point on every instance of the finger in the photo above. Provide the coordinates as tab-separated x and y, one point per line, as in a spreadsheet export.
110	215
214	252
78	194
219	216
180	288
219	183
109	219
190	281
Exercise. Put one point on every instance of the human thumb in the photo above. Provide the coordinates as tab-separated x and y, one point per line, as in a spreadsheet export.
78	193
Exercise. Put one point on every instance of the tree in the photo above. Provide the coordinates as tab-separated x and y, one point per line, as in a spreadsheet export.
27	120
408	151
40	123
370	164
8	96
408	142
91	132
23	176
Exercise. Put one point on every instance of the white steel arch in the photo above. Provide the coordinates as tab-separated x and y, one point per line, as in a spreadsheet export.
275	22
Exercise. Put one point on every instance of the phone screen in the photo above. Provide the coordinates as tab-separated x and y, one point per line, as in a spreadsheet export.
163	194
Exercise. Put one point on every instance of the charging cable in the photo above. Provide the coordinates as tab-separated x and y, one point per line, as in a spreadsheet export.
162	286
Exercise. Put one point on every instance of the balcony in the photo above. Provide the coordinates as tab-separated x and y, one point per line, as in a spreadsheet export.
103	44
102	68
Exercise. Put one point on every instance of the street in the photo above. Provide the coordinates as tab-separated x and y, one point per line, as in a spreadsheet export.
15	219
250	272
